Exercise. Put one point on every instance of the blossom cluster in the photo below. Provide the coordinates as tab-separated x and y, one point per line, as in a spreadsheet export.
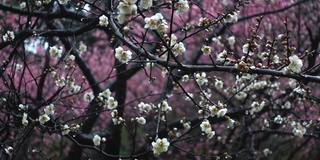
156	22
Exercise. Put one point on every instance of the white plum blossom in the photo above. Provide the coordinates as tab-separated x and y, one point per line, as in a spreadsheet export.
112	103
286	105
275	59
231	40
96	140
88	96
106	93
213	110
201	78
163	27
286	70
178	49
173	39
60	82
9	150
9	36
118	120
49	110
245	49
222	56
295	64
203	21
299	130
278	119
17	66
256	107
206	50
122	55
82	49
65	129
127	7
217	40
182	6
23	5
231	18
185	78
222	112
218	83
103	21
144	107
146	4
74	89
43	118
160	145
141	120
164	106
185	123
55	52
122	18
205	126
25	119
211	134
114	114
154	21
23	107
230	122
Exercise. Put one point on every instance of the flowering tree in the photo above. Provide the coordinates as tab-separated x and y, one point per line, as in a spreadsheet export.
151	79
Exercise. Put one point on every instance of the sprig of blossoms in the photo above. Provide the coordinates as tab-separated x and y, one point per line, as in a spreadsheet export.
160	145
